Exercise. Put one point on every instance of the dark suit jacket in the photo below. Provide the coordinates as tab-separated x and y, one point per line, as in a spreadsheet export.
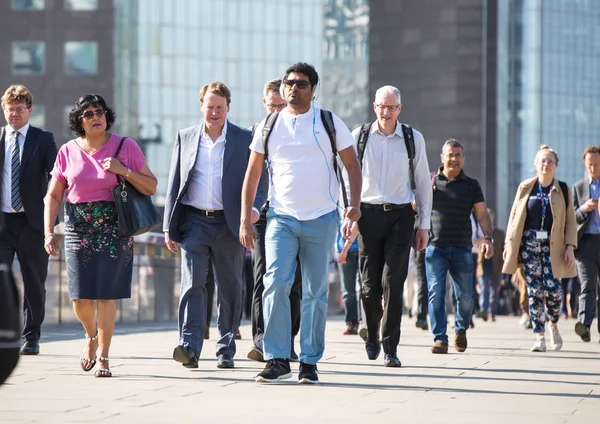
581	194
39	154
235	162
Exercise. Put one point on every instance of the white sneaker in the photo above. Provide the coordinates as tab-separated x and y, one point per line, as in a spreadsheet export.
555	339
540	344
524	319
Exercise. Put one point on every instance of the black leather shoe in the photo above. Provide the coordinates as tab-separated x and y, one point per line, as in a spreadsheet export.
373	350
185	356
391	360
30	348
225	361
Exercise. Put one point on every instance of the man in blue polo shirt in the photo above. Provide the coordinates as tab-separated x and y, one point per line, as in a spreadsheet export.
455	195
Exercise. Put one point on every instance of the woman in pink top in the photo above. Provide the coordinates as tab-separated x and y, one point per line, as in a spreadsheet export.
99	262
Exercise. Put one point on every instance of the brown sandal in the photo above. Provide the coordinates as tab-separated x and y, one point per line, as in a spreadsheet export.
103	372
87	364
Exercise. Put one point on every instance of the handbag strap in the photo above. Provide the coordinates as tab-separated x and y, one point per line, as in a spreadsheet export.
119	179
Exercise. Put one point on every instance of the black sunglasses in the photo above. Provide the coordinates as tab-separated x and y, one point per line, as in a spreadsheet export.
298	83
89	114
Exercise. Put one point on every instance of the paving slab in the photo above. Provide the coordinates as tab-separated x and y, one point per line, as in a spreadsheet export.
497	380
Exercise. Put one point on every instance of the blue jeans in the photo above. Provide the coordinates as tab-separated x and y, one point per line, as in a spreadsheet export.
458	261
286	237
349	276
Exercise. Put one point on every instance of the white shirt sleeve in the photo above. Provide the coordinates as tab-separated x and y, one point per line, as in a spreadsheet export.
343	136
257	142
423	191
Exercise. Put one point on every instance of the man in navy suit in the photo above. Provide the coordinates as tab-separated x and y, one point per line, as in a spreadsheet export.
587	256
27	155
202	215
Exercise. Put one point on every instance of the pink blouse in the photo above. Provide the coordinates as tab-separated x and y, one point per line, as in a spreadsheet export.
83	174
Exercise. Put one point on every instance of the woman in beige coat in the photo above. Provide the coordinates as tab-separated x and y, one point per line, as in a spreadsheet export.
541	237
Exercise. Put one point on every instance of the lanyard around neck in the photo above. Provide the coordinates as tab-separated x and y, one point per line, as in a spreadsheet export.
545	200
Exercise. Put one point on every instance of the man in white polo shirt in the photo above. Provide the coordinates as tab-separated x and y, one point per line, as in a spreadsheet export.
302	220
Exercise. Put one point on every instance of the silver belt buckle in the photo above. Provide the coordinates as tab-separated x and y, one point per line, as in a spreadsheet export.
209	214
387	207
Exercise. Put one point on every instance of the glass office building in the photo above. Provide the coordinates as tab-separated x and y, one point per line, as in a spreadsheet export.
548	89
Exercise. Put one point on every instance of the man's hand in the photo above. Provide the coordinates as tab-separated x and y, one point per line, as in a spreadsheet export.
342	257
570	256
590	205
254	217
487	248
351	213
247	235
422	238
173	246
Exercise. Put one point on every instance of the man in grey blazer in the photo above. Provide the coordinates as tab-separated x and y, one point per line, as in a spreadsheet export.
587	255
202	215
27	156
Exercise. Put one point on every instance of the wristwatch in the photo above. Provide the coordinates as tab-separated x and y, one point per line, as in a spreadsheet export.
491	240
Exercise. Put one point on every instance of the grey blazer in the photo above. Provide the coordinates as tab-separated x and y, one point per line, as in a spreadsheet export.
581	194
235	162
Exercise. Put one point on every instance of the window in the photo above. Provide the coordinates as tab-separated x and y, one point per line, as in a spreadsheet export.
67	133
28	4
81	4
38	116
28	57
81	57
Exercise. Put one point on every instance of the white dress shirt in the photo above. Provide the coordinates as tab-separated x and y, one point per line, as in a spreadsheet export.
206	189
7	171
386	172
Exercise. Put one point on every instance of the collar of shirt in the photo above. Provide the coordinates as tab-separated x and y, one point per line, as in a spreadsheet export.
221	139
397	132
288	115
23	131
461	175
592	181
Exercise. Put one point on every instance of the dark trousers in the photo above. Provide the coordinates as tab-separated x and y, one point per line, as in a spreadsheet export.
210	291
587	257
421	275
384	249
10	323
18	237
260	267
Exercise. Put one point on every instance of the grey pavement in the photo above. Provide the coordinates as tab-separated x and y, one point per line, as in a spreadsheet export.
497	380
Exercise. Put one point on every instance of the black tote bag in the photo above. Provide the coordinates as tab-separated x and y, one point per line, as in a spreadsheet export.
137	214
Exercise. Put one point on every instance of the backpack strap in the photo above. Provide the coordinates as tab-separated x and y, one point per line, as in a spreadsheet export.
267	129
410	149
363	137
565	191
327	119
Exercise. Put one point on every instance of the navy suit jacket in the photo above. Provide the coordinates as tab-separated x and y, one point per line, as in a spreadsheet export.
39	154
581	194
235	162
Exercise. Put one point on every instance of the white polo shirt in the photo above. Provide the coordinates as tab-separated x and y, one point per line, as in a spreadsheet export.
303	183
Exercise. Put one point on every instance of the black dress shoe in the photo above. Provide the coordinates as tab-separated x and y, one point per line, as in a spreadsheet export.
225	361
373	350
391	360
186	356
30	348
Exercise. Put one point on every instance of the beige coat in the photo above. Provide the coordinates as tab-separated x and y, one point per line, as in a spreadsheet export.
564	229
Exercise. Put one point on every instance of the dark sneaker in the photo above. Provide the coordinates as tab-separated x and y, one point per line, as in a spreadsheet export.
582	331
391	360
185	356
255	354
308	374
439	347
275	370
422	324
351	329
225	361
460	342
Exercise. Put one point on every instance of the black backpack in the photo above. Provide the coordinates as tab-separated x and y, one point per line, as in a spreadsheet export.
327	119
409	141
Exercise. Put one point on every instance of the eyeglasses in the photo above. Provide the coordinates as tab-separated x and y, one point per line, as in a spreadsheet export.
453	156
18	110
301	84
89	114
276	106
391	108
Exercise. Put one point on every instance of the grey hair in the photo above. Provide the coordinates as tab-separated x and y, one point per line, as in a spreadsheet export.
452	142
389	89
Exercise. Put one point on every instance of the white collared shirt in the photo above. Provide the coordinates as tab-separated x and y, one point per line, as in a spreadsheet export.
7	171
303	183
386	172
206	189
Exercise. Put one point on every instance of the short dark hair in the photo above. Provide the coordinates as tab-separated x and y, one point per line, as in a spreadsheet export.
452	142
306	69
95	100
215	87
272	86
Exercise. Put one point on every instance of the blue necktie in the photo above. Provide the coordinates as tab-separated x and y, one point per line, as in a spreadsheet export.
15	192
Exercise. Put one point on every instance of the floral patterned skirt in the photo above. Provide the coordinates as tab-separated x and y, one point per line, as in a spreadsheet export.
99	262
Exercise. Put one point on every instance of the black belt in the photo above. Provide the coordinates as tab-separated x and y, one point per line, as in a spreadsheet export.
15	214
386	207
208	214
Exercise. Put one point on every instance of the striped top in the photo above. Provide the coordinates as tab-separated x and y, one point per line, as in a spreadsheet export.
453	201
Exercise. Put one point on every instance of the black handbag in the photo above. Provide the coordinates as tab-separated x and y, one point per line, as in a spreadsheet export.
136	212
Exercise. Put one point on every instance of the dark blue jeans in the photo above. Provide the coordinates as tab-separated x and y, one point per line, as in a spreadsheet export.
348	278
458	261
